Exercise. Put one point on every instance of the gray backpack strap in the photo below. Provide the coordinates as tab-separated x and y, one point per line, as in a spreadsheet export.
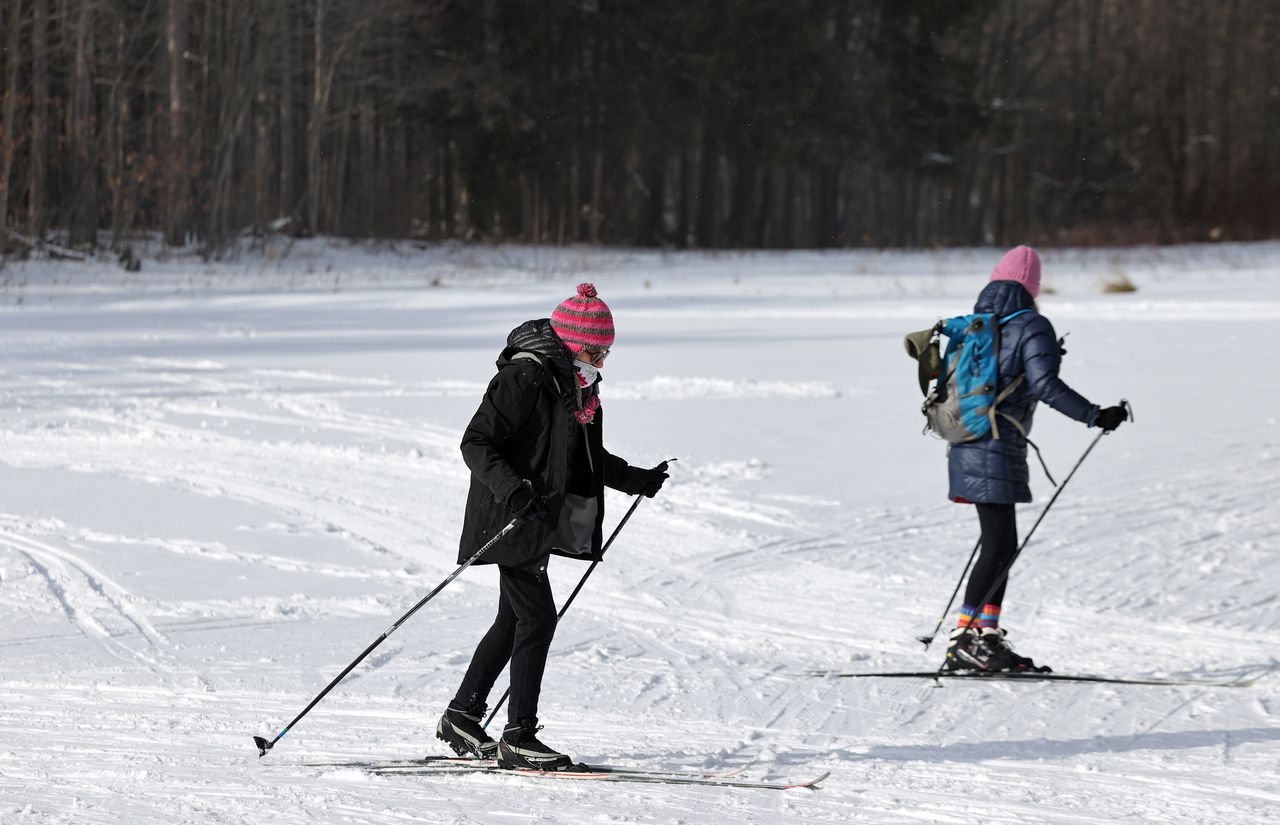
529	356
995	406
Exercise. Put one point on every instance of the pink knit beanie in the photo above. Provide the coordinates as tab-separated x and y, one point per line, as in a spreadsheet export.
584	321
1021	265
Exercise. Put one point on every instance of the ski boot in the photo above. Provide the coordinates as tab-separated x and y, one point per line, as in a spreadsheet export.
460	729
999	651
960	652
521	749
980	649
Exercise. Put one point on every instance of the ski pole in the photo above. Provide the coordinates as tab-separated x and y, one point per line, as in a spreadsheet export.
264	745
1004	574
928	640
574	594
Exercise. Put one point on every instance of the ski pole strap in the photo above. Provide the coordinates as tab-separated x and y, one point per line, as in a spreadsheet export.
1043	466
1018	424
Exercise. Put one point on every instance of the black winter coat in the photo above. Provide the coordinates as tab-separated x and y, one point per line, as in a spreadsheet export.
994	471
525	429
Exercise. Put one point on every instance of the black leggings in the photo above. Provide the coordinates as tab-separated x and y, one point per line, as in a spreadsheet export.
999	544
521	634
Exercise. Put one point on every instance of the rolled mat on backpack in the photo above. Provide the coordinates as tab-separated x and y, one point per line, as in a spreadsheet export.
923	347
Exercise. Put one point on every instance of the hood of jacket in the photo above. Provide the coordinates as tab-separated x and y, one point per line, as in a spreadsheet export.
537	337
1004	297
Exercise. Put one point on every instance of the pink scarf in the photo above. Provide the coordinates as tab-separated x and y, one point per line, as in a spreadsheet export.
586	413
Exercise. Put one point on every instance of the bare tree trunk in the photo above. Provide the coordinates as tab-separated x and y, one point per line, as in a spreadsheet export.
340	166
1226	93
706	213
760	235
788	229
372	210
9	133
261	148
287	203
234	107
826	219
84	220
652	222
533	230
8	127
1203	124
316	122
575	189
438	204
683	220
597	194
118	107
176	163
39	117
1270	114
526	204
741	199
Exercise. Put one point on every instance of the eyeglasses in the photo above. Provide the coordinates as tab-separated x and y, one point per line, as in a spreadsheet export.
597	356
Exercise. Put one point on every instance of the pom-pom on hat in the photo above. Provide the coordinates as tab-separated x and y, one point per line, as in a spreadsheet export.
584	321
1022	265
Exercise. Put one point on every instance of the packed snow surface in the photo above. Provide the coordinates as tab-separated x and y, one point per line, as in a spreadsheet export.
220	482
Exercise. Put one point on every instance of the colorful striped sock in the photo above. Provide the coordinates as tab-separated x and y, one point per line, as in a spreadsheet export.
990	616
967	612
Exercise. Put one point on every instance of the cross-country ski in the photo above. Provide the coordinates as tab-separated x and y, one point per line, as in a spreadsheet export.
1030	676
446	762
591	773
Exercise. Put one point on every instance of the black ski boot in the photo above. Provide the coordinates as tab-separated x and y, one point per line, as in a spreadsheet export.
460	729
961	653
520	748
985	650
999	650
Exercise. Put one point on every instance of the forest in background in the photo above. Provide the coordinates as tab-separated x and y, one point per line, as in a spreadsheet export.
709	124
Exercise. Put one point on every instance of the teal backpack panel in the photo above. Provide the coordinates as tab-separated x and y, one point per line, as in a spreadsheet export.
962	406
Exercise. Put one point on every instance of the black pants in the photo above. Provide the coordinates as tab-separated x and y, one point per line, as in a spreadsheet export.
521	634
999	543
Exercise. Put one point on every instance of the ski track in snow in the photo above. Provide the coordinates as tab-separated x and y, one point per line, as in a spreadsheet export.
211	502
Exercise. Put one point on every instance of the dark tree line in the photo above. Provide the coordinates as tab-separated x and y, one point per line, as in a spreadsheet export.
712	123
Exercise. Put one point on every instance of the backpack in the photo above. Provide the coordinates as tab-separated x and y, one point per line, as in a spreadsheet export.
964	401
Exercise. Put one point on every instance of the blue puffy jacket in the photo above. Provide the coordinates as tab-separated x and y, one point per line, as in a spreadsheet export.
991	471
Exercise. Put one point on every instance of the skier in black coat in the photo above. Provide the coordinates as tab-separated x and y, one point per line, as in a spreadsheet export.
992	473
536	453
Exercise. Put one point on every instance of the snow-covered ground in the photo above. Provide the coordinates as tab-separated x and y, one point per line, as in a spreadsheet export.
220	482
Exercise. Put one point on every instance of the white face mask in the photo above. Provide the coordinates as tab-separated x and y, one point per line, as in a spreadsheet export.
589	372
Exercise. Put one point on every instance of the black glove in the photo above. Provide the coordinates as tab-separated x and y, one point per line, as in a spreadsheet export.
649	482
527	505
1112	417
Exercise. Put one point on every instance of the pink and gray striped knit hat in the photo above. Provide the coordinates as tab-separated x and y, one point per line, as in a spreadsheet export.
584	321
1021	265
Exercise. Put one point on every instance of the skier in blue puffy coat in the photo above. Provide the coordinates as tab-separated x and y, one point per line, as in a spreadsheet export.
991	473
